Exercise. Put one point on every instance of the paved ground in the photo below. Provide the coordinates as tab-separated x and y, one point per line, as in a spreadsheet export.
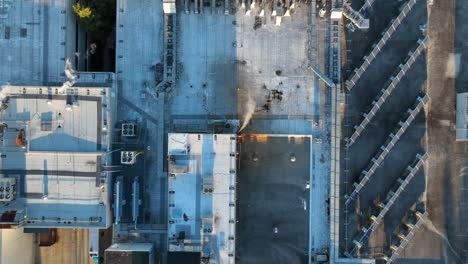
461	45
11	252
446	172
271	192
71	247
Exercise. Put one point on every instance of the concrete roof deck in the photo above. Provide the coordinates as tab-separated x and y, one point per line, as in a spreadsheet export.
36	38
203	172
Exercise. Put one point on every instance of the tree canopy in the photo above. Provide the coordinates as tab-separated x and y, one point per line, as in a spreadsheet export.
82	11
97	16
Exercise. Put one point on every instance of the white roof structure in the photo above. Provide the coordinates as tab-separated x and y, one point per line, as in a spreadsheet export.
462	116
53	143
202	179
143	247
169	7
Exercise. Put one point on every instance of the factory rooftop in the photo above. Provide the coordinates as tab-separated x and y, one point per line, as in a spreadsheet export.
202	212
53	149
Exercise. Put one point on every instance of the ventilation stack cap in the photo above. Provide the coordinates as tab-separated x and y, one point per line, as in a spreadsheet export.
322	12
292	158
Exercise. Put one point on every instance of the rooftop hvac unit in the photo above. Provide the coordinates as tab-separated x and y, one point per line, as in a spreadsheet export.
128	130
179	168
128	157
7	189
207	184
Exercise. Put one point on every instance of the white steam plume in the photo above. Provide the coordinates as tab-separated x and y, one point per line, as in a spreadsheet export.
2	94
71	76
248	109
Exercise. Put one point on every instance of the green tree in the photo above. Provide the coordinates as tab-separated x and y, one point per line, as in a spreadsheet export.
97	16
83	12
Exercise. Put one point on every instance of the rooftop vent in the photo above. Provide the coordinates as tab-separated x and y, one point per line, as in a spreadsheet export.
128	130
128	157
7	189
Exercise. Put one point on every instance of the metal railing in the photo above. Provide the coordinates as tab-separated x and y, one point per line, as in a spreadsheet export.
405	239
350	83
385	93
385	149
390	199
366	6
356	17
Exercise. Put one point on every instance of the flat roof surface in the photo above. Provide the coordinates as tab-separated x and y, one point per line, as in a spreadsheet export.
202	173
35	40
271	193
52	128
57	168
41	112
139	45
247	62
